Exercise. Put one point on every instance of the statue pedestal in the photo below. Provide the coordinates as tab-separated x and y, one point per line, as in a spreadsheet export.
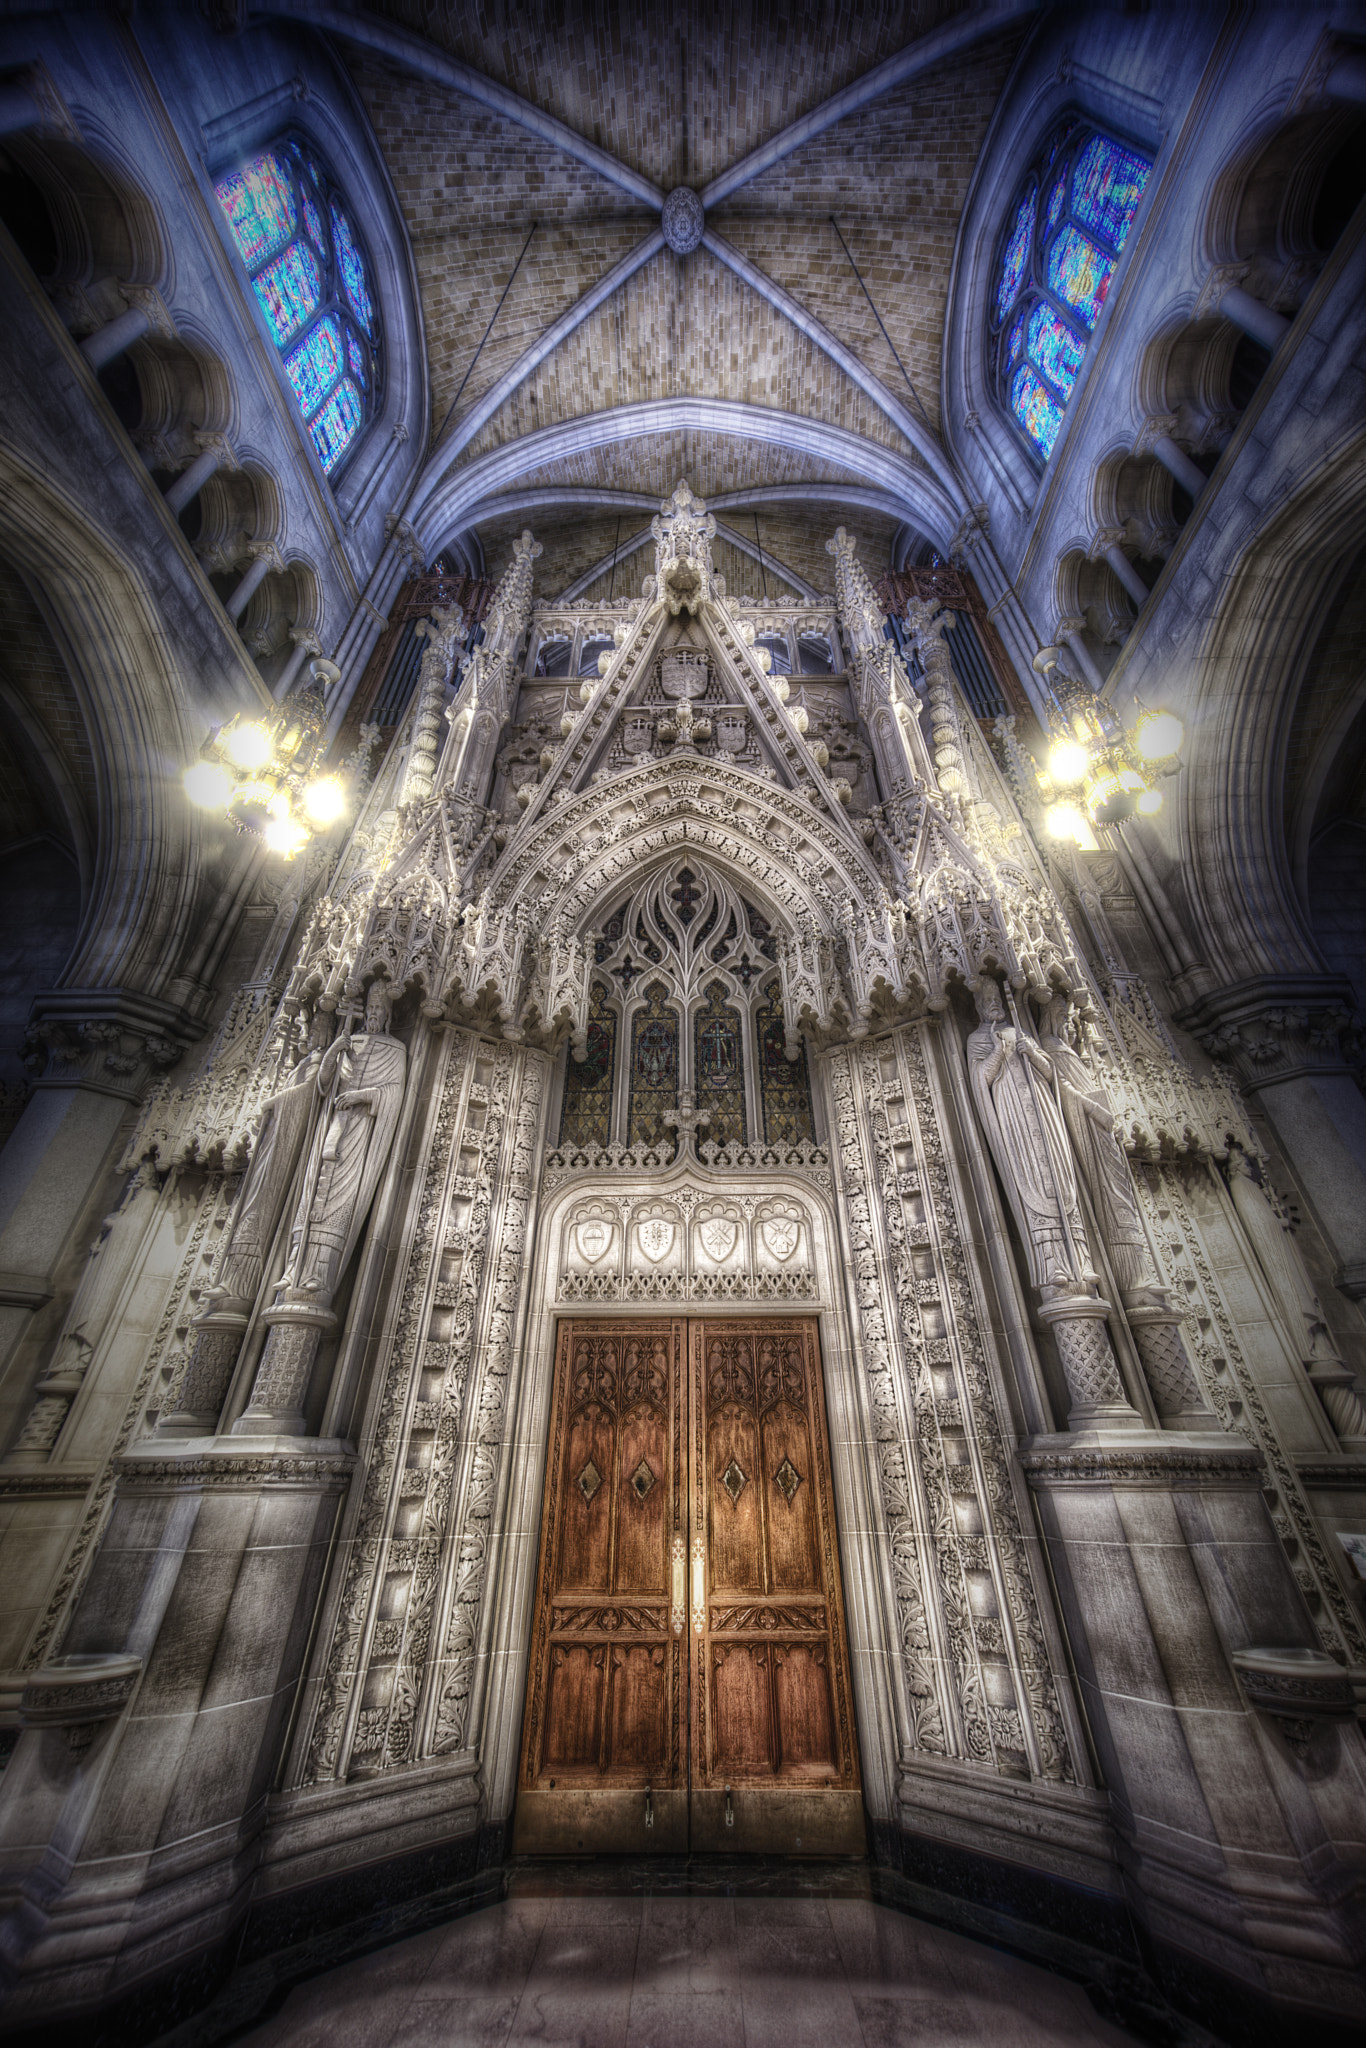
277	1400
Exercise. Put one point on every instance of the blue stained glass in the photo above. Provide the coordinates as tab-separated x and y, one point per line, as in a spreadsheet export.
352	266
1036	409
1016	255
1056	349
260	208
1016	342
289	290
1080	273
313	221
336	426
1107	185
1057	199
315	365
355	356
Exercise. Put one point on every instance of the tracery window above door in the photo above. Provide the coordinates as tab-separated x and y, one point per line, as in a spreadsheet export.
294	234
1066	226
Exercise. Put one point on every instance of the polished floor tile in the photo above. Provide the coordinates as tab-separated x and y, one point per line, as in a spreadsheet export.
606	1971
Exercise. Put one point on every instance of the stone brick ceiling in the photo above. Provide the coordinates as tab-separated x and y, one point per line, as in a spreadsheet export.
679	98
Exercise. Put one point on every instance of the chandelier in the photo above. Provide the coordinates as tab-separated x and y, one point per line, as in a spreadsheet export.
266	773
1096	772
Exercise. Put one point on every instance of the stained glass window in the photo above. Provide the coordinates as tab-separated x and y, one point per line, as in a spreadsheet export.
784	1084
1056	348
354	281
259	203
336	426
1057	259
1036	409
586	1118
1016	259
1107	185
654	1072
718	1065
313	286
289	290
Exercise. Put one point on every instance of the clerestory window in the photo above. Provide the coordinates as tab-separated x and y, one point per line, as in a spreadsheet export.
313	284
1069	221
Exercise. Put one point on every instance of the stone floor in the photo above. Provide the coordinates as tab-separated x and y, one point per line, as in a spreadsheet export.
687	1972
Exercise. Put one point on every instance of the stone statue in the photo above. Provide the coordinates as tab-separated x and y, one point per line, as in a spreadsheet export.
1012	1085
363	1074
1090	1121
1011	1079
284	1125
361	1080
1288	1278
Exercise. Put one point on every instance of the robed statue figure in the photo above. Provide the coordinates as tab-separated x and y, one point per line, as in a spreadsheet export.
361	1082
1012	1086
1090	1119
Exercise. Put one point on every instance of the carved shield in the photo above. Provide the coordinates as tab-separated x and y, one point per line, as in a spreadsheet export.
718	1235
593	1237
780	1234
731	730
656	1238
637	731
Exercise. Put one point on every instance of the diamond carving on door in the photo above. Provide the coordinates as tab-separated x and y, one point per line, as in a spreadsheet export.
705	1446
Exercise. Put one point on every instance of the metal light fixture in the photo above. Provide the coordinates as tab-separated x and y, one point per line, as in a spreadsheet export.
266	773
1096	773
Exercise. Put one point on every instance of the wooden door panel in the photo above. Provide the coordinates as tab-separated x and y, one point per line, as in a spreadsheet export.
720	1684
606	1699
774	1757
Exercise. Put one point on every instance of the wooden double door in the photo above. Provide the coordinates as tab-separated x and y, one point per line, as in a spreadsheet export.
689	1677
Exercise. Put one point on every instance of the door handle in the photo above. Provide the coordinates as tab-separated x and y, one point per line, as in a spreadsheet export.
649	1808
699	1585
730	1810
679	1603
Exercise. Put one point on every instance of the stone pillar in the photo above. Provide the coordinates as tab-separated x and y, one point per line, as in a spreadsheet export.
305	644
1242	1854
179	1673
145	313
265	557
1106	548
276	1408
215	453
1072	633
1156	439
1285	1039
1223	293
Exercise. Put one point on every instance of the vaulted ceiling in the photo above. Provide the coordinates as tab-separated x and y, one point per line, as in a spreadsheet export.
531	146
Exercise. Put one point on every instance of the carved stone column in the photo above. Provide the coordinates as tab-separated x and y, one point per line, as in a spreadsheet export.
1292	1042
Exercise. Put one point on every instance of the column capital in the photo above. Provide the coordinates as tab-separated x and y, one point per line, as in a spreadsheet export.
1276	1028
1105	537
1158	426
1221	279
302	637
143	299
212	443
113	1041
266	551
1066	628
